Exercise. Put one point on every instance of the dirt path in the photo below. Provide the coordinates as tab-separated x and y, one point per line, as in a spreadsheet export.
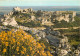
66	28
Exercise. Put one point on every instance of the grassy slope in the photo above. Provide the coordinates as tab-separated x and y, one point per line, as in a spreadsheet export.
73	36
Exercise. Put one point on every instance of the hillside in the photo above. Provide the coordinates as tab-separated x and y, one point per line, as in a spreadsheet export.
25	32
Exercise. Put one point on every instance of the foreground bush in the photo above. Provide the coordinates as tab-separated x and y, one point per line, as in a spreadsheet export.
19	43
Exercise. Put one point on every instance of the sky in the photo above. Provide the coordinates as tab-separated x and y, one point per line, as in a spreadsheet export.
39	2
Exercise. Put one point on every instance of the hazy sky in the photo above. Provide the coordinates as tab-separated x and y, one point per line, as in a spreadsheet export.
39	2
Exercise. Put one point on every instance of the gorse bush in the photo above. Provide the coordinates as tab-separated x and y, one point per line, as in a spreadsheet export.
19	43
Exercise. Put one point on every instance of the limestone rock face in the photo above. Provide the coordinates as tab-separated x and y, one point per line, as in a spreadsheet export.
27	10
13	22
17	9
65	15
63	52
5	23
54	40
76	53
37	33
9	21
32	17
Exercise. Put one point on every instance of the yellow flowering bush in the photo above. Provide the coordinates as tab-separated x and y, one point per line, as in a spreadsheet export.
19	43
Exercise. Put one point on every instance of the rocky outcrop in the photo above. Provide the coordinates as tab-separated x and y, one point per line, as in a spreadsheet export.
60	42
10	21
17	9
47	17
64	15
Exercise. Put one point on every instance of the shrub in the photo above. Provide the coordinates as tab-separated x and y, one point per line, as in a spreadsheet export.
19	43
30	24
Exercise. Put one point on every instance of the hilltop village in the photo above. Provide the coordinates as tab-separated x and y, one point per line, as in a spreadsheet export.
59	41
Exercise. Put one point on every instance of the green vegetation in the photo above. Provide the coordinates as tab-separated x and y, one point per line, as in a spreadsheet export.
1	24
31	24
73	36
24	19
38	14
67	12
23	14
11	27
64	24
